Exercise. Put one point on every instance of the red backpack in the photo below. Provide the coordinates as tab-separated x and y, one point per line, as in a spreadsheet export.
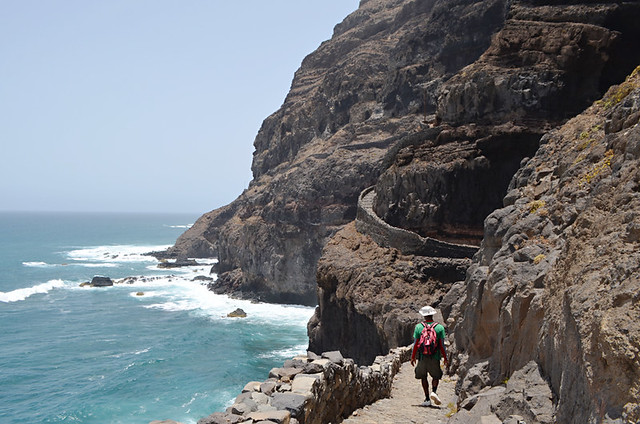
428	341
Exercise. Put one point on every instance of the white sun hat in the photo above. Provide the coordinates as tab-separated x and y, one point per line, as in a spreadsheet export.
427	311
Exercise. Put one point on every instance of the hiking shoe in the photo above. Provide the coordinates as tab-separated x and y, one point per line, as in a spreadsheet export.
426	403
434	397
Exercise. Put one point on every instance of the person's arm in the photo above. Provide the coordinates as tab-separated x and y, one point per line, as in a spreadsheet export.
443	353
414	351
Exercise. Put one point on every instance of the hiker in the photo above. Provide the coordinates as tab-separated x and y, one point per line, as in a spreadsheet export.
429	347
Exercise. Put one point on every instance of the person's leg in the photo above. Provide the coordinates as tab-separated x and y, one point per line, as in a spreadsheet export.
436	374
422	374
434	384
425	387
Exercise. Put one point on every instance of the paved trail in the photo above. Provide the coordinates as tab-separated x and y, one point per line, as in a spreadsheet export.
403	405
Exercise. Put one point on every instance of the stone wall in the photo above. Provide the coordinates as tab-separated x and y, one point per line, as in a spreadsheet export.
407	242
312	389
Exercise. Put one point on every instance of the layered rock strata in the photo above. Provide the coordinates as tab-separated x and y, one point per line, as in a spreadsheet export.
312	389
368	295
444	183
352	103
557	279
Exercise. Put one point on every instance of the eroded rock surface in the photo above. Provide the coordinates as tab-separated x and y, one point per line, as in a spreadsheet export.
352	103
557	279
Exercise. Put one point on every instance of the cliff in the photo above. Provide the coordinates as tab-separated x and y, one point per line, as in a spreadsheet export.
353	103
468	120
557	280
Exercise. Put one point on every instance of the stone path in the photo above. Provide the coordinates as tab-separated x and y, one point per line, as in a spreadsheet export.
403	405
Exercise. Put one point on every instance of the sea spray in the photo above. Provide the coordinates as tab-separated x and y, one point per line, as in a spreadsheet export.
156	345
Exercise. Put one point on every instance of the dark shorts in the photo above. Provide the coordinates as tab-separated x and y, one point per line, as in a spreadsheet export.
428	364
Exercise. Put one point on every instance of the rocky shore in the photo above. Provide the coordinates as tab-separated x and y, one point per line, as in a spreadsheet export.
313	389
502	126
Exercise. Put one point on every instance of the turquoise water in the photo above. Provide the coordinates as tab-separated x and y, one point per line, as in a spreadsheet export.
72	354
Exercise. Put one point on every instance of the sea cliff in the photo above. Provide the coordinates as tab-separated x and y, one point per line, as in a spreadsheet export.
505	127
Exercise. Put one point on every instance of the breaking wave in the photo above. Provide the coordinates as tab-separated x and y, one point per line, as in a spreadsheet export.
21	294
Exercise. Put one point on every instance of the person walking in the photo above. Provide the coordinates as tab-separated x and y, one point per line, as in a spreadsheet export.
428	347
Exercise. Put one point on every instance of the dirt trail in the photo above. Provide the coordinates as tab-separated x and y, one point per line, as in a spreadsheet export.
403	405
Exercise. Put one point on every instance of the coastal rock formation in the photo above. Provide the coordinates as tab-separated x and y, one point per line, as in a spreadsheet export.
557	279
437	104
369	295
352	104
445	180
98	281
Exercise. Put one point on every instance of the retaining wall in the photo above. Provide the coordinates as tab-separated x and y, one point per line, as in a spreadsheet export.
314	389
407	242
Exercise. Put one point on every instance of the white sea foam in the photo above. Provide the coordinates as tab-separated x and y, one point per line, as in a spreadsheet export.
115	254
21	294
284	353
37	264
180	226
178	293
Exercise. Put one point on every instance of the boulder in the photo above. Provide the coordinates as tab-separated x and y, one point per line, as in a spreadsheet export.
99	281
294	403
222	418
334	356
164	422
280	417
238	313
178	263
285	374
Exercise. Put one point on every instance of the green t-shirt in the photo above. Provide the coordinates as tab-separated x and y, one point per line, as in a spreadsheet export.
440	333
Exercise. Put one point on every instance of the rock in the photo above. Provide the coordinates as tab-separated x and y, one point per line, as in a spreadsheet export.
492	395
312	356
281	417
99	281
140	294
252	386
334	356
552	311
515	419
490	419
292	402
202	278
556	277
313	368
164	422
284	373
294	363
303	383
352	104
222	418
244	407
268	387
368	289
529	395
178	263
238	313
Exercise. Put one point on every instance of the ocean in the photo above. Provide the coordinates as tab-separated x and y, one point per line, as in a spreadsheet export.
160	348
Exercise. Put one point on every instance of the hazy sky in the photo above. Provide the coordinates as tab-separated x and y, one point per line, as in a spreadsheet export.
144	105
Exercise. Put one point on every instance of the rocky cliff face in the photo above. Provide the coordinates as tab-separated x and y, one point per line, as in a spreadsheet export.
557	279
553	288
352	103
437	104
